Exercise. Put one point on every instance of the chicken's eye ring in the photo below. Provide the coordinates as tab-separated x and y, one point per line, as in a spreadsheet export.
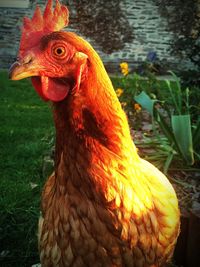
59	51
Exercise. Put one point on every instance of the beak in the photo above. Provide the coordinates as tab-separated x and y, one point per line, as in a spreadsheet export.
22	69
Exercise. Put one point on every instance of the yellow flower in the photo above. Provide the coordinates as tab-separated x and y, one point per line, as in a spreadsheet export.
137	107
124	68
119	92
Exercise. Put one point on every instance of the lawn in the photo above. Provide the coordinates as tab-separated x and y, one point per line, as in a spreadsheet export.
26	123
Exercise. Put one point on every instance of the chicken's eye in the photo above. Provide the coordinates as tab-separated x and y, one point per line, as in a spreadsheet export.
59	51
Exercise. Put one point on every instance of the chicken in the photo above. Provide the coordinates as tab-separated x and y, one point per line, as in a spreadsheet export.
103	205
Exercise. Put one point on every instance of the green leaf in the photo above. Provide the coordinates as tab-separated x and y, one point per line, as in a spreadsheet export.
179	135
178	92
173	97
168	162
196	136
167	131
146	102
181	125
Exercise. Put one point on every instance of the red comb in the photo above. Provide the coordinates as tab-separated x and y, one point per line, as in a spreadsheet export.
39	25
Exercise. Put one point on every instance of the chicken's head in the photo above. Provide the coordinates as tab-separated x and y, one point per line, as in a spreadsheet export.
47	56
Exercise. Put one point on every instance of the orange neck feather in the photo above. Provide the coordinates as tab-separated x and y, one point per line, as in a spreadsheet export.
92	128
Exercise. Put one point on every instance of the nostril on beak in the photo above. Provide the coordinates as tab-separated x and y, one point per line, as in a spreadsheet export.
28	59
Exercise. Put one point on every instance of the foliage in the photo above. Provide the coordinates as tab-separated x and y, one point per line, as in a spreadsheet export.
171	107
25	123
190	78
156	149
176	125
132	84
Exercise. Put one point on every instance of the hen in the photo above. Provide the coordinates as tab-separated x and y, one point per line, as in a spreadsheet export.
103	205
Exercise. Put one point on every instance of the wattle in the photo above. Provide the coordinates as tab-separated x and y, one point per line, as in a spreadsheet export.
53	89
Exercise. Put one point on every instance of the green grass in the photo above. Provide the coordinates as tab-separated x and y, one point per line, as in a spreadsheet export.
26	122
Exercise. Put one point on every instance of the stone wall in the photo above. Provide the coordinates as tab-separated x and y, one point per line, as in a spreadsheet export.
135	29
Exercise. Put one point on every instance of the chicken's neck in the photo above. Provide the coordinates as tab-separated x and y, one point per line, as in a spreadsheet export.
92	133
